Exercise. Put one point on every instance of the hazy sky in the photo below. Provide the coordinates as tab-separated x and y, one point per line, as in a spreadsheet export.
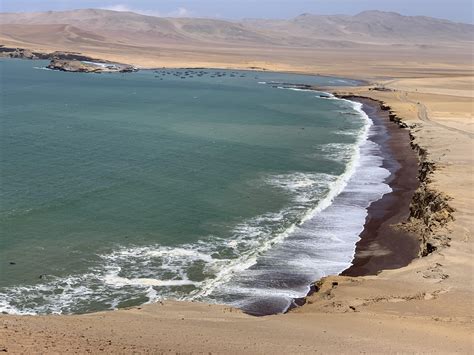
457	10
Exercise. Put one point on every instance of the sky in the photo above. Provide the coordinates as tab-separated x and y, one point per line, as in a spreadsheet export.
455	10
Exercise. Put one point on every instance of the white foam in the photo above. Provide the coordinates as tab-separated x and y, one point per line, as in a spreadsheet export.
305	187
339	185
159	252
338	151
298	181
122	281
350	113
102	65
294	89
53	297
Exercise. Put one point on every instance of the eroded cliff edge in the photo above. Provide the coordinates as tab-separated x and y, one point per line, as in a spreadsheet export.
430	211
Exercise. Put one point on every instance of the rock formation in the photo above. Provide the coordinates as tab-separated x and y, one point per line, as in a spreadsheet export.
73	65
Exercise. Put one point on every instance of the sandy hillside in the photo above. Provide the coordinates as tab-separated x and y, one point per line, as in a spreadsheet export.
376	41
426	307
307	30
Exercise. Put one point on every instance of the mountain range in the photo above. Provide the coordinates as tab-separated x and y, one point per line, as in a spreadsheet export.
95	26
302	43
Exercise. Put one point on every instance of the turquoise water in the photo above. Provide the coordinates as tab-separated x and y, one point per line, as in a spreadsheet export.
121	189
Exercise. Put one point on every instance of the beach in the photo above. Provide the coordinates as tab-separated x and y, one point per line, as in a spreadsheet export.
410	288
431	298
381	245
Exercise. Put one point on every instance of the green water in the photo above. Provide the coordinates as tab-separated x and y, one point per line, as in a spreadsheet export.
171	171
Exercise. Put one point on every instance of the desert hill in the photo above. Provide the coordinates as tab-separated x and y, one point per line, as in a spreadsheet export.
367	27
372	26
302	43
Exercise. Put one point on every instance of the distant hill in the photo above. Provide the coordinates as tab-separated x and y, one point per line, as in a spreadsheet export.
134	28
371	26
95	26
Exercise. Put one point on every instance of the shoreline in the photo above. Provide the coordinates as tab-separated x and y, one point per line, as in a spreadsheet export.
48	56
382	244
339	199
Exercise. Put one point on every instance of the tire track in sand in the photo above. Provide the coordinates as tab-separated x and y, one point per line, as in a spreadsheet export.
423	114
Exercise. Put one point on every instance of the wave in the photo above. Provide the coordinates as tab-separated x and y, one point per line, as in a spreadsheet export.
342	152
276	254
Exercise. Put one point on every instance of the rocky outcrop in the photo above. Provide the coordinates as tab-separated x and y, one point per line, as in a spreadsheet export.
23	53
68	61
430	211
74	65
20	53
71	66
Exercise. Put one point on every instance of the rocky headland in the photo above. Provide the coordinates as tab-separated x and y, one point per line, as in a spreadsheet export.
21	53
73	65
68	61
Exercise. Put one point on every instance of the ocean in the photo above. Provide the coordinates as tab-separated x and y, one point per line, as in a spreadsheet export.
220	186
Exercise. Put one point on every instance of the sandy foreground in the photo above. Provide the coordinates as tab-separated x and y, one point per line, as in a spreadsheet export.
426	307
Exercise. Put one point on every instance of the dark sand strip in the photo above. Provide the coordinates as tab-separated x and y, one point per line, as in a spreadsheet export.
382	245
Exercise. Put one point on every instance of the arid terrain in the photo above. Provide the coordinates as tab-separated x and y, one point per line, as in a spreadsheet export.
421	68
369	45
